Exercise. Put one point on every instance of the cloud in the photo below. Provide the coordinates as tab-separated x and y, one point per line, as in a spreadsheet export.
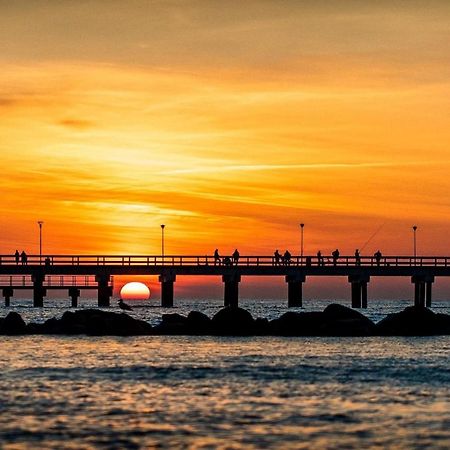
78	124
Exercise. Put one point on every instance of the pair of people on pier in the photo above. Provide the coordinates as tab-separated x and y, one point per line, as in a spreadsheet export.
21	257
227	260
284	259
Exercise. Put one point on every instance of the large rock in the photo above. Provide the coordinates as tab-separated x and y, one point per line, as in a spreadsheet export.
340	320
172	324
13	324
414	321
335	320
96	322
297	324
233	321
199	323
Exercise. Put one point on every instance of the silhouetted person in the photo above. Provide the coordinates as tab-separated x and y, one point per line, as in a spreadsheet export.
335	256
216	257
236	256
17	256
123	305
319	258
357	258
277	257
377	256
23	257
47	261
287	257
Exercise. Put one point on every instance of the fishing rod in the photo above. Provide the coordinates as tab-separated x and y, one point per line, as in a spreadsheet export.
373	235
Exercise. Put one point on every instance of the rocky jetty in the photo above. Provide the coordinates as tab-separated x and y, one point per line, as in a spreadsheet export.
335	320
92	322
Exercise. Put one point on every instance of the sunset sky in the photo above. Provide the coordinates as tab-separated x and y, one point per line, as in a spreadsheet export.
230	122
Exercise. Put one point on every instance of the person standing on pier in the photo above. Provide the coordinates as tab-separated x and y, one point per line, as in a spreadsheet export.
378	256
357	257
235	257
17	256
335	256
319	258
24	258
216	257
287	258
277	257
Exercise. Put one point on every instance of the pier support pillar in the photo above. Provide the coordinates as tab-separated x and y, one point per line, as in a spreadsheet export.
422	290
8	292
104	290
295	290
74	293
359	290
364	295
428	294
167	281
231	291
39	292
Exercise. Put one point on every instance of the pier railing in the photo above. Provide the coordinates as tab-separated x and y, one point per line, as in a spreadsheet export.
52	281
209	260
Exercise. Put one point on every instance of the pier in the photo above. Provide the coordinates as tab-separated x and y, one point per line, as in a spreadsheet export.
77	272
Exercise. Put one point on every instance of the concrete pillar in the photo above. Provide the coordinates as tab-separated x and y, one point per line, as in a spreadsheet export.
364	295
422	290
356	295
39	292
104	290
167	281
8	292
74	293
359	290
295	290
231	290
428	294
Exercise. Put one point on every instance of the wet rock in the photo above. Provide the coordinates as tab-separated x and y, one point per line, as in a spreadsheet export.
262	326
340	320
13	324
297	324
233	321
172	324
96	322
335	320
199	323
414	321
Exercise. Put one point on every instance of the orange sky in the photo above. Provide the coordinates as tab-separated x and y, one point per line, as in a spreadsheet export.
230	124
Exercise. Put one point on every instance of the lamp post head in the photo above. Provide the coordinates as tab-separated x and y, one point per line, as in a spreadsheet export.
162	226
40	222
302	225
414	227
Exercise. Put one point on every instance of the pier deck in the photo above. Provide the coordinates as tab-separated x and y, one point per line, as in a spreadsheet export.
100	269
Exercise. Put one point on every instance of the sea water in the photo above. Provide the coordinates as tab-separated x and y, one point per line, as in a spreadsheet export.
223	392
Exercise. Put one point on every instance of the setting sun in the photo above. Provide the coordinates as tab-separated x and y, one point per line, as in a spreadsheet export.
135	291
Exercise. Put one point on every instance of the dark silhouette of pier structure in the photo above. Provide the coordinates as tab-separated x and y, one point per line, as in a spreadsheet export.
78	272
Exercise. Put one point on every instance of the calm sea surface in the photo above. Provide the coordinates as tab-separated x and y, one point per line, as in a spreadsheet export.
210	392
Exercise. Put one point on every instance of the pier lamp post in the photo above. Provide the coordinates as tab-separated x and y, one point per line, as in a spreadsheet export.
162	242
302	225
40	223
415	242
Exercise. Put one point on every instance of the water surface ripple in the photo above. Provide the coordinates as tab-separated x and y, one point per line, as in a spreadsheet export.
205	392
